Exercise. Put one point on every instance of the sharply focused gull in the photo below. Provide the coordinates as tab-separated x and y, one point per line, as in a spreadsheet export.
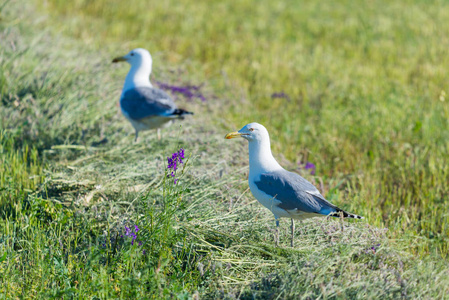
143	105
284	193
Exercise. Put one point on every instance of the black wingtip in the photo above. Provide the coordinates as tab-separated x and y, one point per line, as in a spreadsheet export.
345	214
181	112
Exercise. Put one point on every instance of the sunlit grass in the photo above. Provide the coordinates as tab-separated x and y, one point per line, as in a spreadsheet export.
365	87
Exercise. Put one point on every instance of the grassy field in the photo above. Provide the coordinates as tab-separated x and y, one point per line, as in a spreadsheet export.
359	89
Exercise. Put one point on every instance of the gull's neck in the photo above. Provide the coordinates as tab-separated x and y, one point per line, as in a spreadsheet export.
138	76
260	158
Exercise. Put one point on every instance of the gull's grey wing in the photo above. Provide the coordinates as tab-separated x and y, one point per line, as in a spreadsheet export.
294	192
144	102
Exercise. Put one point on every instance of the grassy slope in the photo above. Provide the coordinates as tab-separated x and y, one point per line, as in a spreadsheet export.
366	82
66	205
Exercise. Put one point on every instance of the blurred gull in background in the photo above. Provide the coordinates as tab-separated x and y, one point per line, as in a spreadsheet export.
143	105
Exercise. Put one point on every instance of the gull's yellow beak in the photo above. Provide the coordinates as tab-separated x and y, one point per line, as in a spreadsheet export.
119	59
232	135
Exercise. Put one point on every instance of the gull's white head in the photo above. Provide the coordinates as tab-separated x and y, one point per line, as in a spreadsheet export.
136	57
139	74
260	157
251	132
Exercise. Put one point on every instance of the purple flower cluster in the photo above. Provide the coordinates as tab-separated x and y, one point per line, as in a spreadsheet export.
190	91
173	161
373	249
117	242
308	166
132	234
311	167
280	95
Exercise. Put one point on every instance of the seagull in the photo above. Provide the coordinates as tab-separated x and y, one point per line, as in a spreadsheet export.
285	194
143	105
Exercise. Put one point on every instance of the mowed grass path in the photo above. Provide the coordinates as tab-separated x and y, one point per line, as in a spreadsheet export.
365	85
364	100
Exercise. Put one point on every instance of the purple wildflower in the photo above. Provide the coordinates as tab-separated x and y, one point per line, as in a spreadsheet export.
373	249
172	162
190	91
132	233
128	232
181	154
310	166
280	95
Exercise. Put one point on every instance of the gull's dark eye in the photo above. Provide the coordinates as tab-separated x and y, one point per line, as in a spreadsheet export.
251	129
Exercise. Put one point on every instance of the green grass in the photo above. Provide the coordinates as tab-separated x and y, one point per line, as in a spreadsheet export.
367	87
367	84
